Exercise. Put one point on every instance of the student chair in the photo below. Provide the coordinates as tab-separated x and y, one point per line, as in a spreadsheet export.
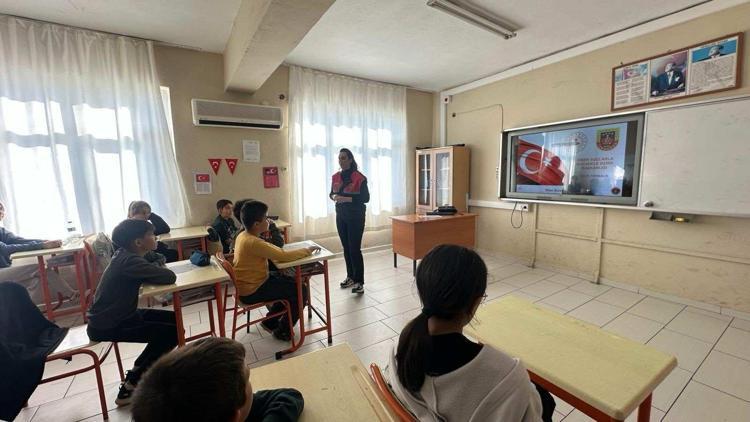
393	403
77	342
245	308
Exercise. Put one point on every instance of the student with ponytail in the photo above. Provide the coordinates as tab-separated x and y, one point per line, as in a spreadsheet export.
444	376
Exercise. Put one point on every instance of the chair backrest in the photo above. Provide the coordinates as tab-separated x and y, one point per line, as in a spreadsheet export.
393	403
227	267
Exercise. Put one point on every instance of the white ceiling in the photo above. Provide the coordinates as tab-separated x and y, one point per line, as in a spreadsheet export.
201	24
409	43
397	41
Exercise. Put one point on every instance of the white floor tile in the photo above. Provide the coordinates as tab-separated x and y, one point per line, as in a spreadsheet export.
49	392
26	414
398	322
707	312
634	327
399	306
77	407
589	288
498	289
508	271
689	351
567	299
726	373
742	324
669	389
700	403
377	353
565	279
544	288
656	309
365	336
735	342
562	406
526	278
620	297
597	313
697	325
656	415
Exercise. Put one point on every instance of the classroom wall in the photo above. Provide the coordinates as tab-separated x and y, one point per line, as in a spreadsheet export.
192	74
707	260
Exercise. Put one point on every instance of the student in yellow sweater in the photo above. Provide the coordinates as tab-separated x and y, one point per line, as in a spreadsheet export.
251	255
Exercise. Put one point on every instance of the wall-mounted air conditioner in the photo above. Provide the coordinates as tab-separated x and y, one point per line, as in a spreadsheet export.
223	114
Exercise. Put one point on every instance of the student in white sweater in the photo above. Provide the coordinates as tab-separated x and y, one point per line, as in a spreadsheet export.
440	375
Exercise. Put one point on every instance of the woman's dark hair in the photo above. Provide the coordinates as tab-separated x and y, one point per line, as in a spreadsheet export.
253	212
450	279
237	209
350	156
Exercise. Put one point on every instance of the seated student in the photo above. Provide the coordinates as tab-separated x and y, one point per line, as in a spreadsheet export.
208	381
141	210
224	224
254	284
114	315
444	376
26	271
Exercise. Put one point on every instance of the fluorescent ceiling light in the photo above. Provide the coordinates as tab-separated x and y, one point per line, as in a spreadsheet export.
470	14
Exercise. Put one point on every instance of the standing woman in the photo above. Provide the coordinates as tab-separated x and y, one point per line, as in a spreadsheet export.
349	191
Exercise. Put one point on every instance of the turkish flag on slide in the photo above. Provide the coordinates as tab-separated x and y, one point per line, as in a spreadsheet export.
215	164
537	166
232	164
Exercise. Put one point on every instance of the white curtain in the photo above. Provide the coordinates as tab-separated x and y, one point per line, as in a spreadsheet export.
82	130
329	112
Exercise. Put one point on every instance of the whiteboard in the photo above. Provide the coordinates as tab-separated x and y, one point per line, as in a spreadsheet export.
696	158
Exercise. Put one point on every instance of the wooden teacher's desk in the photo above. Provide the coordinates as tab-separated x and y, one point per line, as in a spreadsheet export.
414	235
333	382
601	374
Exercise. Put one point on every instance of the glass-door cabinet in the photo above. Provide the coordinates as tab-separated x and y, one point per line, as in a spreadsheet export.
442	178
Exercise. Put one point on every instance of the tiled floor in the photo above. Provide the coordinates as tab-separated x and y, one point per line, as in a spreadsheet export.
711	383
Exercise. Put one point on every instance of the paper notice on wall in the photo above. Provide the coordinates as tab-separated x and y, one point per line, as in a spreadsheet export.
251	151
202	183
713	66
631	85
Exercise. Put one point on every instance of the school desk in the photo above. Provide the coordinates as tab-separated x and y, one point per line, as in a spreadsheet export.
333	382
74	247
190	276
284	227
415	234
320	259
601	374
184	233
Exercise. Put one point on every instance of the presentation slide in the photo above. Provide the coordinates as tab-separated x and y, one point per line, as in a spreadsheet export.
581	161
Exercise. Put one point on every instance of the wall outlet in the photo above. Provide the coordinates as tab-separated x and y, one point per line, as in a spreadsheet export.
524	207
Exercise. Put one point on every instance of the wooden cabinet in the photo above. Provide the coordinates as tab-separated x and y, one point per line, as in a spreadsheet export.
442	178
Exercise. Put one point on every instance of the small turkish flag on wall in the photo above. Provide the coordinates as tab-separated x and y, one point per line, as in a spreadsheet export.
232	164
215	164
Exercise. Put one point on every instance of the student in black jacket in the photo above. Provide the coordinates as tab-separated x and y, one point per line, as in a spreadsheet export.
141	210
224	224
114	315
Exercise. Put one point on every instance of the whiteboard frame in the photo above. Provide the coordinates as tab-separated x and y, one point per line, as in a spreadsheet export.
639	206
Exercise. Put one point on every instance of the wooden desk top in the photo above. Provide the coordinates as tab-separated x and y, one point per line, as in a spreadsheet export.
194	232
333	382
419	218
188	276
74	246
322	255
609	372
281	224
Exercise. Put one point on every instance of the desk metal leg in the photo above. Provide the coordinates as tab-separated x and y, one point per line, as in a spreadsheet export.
414	267
45	289
644	410
177	304
220	309
328	301
204	246
286	235
179	250
79	267
395	260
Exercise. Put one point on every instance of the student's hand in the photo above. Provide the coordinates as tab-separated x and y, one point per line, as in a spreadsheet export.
313	249
51	244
